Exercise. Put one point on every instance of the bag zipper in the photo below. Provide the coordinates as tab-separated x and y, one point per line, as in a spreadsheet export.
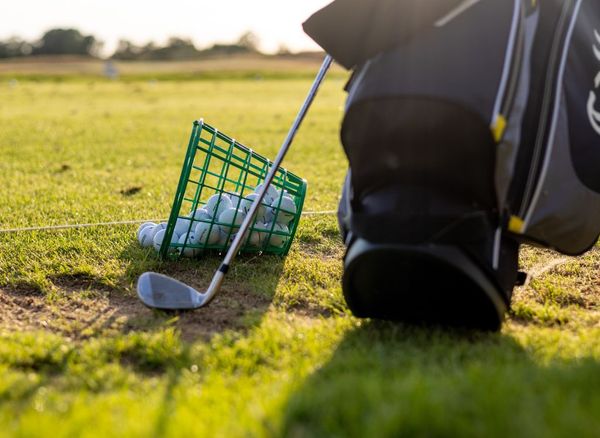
533	180
505	101
517	63
509	82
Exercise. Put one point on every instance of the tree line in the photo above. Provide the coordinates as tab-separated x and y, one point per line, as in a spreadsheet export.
73	42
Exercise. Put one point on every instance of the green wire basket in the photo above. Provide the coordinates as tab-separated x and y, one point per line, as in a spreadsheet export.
217	167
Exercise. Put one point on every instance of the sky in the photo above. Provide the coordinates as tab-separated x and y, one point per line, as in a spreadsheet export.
276	22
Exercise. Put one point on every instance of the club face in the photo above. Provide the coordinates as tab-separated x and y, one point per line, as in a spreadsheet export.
161	292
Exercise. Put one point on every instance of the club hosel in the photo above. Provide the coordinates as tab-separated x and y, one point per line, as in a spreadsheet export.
216	282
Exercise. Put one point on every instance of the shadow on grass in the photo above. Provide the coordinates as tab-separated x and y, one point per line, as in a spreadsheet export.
168	404
389	380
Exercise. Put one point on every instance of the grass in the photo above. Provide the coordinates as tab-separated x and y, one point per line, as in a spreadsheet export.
277	354
250	66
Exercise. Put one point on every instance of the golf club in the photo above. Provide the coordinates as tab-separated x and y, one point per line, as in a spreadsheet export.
162	292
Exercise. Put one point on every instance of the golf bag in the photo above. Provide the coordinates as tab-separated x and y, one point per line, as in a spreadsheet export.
473	130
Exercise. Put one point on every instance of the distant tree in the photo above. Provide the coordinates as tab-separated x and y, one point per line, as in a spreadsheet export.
176	48
149	47
179	48
224	50
177	43
15	47
67	42
126	50
250	41
283	50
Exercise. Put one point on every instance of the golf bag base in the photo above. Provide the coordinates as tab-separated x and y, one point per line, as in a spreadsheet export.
412	256
421	284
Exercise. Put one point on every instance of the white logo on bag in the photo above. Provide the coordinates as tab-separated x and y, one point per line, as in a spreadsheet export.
591	107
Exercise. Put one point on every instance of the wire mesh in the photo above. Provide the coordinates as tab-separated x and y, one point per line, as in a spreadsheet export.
218	183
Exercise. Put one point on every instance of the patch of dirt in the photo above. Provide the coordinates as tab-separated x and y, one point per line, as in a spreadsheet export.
100	310
64	168
322	251
131	191
235	307
231	309
309	310
77	316
78	282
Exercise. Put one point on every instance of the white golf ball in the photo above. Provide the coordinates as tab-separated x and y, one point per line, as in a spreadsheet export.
160	236
145	237
223	239
263	230
236	200
157	228
268	216
247	203
270	194
254	238
217	204
287	210
201	214
207	234
282	192
183	226
230	220
142	227
188	251
277	239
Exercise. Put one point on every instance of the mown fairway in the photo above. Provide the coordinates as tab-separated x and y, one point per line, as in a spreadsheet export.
277	354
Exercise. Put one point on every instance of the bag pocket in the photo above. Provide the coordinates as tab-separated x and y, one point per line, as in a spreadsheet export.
560	205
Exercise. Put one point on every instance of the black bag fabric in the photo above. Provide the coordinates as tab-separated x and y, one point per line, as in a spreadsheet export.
470	128
353	31
426	269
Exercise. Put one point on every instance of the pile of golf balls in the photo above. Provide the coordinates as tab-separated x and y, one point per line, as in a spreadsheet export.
218	221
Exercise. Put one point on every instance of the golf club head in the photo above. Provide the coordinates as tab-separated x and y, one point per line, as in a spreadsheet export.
165	293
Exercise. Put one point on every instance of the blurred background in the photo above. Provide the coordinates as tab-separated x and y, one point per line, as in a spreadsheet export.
113	37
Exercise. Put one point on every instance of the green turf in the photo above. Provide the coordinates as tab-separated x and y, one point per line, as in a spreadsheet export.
278	354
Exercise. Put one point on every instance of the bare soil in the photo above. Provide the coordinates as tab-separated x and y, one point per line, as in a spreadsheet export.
81	309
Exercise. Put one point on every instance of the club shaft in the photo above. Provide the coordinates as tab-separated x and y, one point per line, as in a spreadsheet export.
241	235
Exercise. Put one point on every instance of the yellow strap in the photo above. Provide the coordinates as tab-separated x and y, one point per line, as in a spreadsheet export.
516	225
499	128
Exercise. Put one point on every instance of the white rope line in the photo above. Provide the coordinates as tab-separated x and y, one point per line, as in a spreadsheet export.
73	226
319	213
132	222
538	271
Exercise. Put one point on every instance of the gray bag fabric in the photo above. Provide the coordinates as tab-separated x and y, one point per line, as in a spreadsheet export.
555	195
